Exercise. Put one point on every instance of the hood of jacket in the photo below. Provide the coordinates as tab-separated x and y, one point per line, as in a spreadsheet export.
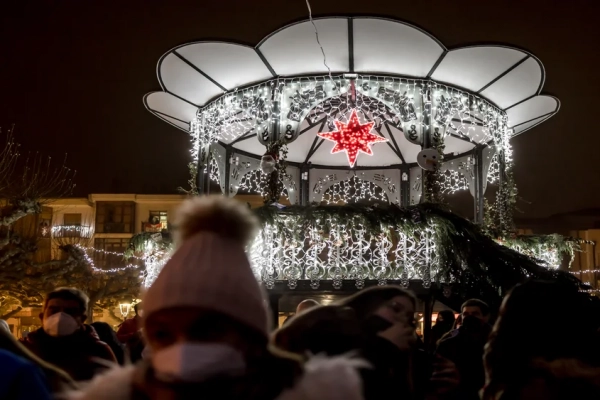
338	376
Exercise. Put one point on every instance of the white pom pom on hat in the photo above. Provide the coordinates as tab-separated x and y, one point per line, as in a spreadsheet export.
210	268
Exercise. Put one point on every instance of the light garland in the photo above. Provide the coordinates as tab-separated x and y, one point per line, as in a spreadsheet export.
408	105
453	181
213	170
549	255
256	182
90	261
586	271
66	230
153	260
351	190
494	170
349	251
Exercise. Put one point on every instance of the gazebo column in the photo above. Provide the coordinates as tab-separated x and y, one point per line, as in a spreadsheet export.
304	184
203	177
404	185
479	184
228	161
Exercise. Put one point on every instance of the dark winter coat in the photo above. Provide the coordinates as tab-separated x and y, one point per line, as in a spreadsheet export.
75	354
467	354
20	379
394	374
128	330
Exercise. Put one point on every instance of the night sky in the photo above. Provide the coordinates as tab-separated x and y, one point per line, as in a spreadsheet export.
73	74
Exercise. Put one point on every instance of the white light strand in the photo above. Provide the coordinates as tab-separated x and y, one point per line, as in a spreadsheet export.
392	100
90	261
586	271
256	182
72	230
452	181
348	251
494	170
351	190
546	253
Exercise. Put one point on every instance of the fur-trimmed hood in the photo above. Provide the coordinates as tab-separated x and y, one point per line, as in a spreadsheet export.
323	378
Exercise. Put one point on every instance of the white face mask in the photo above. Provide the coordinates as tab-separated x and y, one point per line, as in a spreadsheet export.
60	324
197	362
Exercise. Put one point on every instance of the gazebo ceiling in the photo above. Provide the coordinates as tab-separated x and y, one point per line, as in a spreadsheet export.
194	74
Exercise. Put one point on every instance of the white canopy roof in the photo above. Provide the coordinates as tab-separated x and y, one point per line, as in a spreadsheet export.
192	75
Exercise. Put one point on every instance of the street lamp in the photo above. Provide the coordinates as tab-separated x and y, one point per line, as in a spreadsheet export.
124	308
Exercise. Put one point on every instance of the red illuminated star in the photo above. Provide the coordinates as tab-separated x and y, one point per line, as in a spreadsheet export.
352	138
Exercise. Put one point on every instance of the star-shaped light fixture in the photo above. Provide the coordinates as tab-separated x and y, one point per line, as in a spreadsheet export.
352	138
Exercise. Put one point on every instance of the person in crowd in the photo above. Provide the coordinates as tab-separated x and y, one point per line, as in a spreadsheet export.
206	321
302	306
458	322
130	334
387	317
64	340
443	324
533	355
108	336
57	380
464	347
21	379
130	327
331	329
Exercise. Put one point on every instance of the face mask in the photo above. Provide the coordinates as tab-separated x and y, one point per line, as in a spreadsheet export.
60	324
472	324
197	362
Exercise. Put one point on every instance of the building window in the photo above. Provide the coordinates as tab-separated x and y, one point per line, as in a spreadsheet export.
72	219
114	216
157	222
106	258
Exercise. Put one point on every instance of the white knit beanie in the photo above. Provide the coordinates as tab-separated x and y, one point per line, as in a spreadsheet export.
210	268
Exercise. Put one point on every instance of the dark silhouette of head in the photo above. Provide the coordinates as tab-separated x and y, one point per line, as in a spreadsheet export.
306	304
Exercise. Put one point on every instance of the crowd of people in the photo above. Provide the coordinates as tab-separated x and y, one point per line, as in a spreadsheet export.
204	330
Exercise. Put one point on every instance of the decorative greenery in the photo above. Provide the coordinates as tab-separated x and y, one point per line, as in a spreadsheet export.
498	217
193	181
274	182
432	179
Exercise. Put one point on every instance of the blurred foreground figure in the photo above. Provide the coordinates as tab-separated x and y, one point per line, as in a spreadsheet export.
64	340
207	324
57	381
20	379
4	326
534	352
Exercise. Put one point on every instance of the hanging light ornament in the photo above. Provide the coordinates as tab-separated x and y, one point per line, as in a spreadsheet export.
352	138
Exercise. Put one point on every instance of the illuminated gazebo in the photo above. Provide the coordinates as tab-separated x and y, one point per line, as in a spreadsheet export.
373	115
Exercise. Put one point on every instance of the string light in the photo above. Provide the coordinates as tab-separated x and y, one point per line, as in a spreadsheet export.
92	265
586	271
384	100
352	190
